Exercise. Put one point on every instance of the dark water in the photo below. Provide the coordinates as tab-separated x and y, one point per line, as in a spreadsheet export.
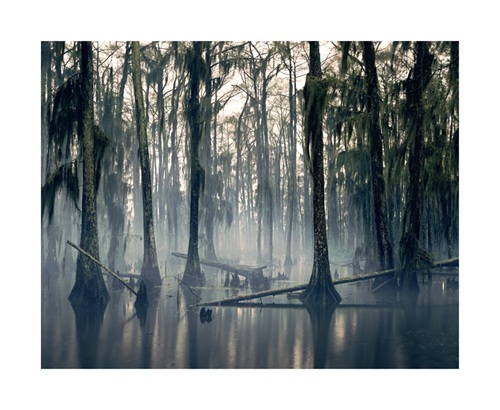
365	331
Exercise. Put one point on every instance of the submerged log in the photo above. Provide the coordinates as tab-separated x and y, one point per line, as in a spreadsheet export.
243	270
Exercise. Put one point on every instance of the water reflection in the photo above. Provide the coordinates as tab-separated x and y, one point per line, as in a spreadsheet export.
88	325
366	331
321	318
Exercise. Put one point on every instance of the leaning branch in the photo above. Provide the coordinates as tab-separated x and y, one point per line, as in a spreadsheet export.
189	287
88	255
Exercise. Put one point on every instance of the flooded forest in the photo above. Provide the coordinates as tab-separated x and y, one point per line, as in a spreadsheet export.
250	204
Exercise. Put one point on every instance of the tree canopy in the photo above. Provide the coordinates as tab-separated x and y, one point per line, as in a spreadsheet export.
256	189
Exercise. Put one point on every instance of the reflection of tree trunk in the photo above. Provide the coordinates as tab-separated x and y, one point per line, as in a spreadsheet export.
321	319
88	325
147	321
150	273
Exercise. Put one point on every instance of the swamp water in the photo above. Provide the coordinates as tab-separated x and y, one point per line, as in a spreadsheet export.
365	331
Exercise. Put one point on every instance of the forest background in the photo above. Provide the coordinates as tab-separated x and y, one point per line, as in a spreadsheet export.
24	27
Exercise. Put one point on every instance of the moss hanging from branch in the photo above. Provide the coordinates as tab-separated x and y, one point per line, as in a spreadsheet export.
315	91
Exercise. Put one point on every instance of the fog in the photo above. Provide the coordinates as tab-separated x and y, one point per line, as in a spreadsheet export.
132	132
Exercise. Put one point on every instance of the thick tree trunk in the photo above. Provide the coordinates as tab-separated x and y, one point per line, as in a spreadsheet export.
384	246
150	272
320	289
409	243
89	290
116	276
192	272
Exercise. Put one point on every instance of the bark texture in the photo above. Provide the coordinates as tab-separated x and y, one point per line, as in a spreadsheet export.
150	273
192	272
384	245
89	290
320	289
410	251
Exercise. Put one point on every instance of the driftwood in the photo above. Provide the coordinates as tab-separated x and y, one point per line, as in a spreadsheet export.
289	289
88	255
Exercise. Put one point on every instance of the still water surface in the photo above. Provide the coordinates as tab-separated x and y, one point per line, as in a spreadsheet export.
365	331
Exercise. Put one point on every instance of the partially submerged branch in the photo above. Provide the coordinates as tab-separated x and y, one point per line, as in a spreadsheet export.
88	255
340	281
189	287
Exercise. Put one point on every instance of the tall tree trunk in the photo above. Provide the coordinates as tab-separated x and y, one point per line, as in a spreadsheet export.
292	178
89	290
174	198
259	198
210	171
409	243
267	190
238	175
320	290
192	273
384	246
150	273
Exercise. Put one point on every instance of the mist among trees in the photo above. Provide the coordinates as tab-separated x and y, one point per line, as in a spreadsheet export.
277	153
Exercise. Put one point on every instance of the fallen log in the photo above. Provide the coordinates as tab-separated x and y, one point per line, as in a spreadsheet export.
340	281
273	305
126	275
88	255
289	289
446	262
256	295
243	270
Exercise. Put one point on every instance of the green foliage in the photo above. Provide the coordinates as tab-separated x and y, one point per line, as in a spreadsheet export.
315	92
64	137
195	62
